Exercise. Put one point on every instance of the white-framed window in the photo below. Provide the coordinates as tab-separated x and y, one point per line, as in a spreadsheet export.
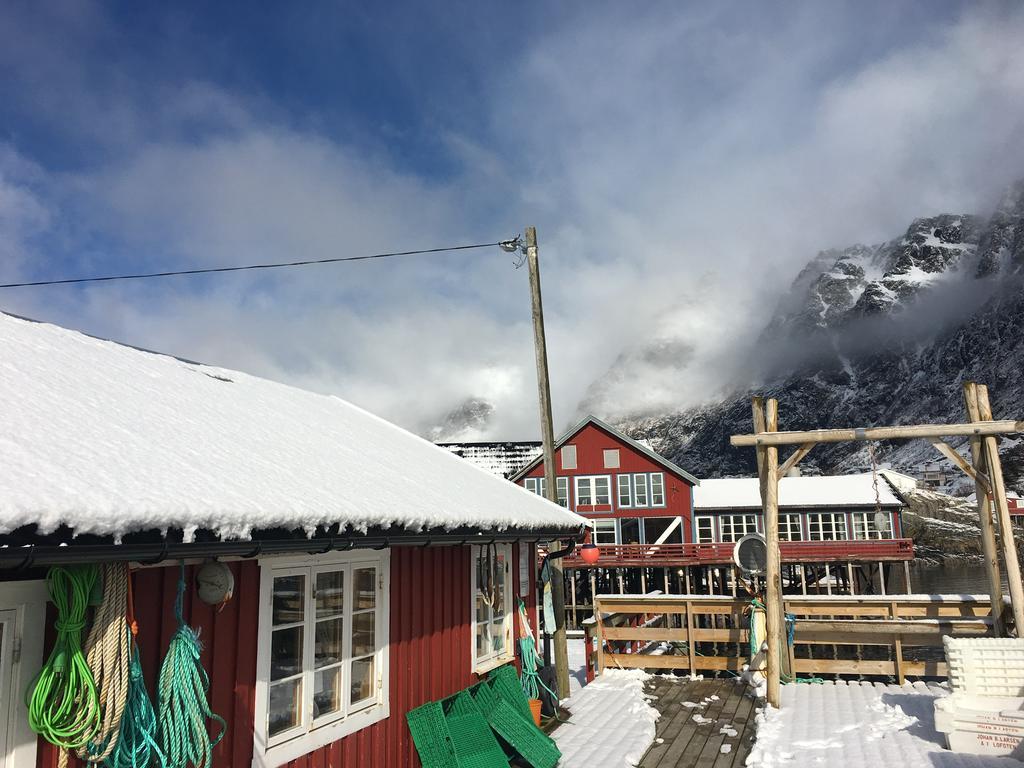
790	527
22	619
657	489
611	458
491	607
625	486
568	453
593	490
826	526
735	527
604	532
321	651
639	490
864	526
539	485
704	529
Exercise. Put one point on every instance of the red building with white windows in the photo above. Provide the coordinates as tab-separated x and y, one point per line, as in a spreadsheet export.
632	495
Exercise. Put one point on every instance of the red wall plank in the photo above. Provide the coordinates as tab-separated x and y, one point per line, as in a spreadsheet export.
430	652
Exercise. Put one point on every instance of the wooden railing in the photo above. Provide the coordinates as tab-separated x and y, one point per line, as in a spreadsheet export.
692	621
665	555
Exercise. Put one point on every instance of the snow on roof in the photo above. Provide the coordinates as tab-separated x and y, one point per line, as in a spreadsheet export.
109	439
837	491
503	459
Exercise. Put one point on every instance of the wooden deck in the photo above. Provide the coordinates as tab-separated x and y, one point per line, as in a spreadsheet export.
691	744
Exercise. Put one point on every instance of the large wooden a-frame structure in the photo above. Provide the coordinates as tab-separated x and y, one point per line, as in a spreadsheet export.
984	468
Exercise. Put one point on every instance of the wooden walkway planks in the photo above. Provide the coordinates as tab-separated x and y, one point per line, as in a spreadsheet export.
689	742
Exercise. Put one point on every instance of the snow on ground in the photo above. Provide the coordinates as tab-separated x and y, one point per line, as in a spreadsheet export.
859	725
106	438
577	663
611	723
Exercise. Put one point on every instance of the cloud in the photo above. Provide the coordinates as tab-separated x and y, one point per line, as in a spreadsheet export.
680	165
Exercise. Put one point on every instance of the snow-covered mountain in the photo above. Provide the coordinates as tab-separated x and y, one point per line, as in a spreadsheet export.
880	334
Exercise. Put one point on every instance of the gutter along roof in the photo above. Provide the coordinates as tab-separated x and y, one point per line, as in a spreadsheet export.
104	439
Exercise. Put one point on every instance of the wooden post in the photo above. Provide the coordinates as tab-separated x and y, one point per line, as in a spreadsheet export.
572	587
898	642
643	581
828	580
686	571
906	576
622	585
548	436
803	579
600	635
766	419
690	650
988	535
995	473
849	576
881	578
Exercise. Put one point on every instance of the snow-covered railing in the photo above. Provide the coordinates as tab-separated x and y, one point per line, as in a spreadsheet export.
665	555
709	632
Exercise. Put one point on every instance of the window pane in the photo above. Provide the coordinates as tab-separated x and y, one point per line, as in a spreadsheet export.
583	497
363	633
601	491
657	489
568	456
604	531
483	636
326	691
611	458
640	490
328	648
285	652
629	527
563	491
365	596
705	530
655	528
498	634
285	711
625	491
530	484
330	593
289	599
362	679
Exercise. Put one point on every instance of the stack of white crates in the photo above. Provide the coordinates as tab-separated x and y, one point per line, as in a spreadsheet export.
984	715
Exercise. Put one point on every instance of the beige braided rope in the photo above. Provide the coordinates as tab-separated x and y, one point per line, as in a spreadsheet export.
108	653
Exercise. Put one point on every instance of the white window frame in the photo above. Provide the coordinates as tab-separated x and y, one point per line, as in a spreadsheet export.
562	491
817	519
539	485
607	524
568	456
23	614
863	524
707	521
310	735
591	482
489	661
790	522
650	490
739	525
612	458
640	480
624	483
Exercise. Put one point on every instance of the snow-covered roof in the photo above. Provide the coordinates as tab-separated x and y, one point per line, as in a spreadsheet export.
503	459
837	491
109	439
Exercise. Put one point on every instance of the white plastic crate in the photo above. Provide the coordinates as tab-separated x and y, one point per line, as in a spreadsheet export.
982	725
985	666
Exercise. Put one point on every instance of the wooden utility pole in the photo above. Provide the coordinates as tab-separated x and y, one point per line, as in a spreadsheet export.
998	488
766	419
548	437
984	506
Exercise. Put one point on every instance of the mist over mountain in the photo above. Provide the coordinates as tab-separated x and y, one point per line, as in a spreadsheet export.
870	335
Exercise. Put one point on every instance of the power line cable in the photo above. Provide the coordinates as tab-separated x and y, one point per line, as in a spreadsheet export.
248	267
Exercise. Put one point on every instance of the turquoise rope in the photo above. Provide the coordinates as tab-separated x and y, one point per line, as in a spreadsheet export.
137	746
183	705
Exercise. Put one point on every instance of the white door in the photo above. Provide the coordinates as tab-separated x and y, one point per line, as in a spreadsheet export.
22	613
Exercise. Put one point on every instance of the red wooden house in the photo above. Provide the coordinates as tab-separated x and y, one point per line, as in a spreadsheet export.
372	571
631	494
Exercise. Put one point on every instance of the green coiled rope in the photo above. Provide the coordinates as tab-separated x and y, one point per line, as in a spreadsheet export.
63	706
181	696
136	745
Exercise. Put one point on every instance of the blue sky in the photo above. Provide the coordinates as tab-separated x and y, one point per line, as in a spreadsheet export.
680	160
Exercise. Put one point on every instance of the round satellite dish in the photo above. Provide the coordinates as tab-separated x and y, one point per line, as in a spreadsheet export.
751	554
881	522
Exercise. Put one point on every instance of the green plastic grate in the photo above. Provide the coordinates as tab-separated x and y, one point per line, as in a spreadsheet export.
523	736
505	683
431	736
475	743
460	704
